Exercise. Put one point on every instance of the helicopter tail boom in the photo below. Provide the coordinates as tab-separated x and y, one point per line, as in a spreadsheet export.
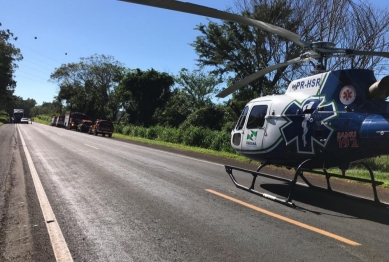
380	89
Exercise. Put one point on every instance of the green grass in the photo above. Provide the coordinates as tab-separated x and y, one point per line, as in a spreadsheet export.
184	147
42	121
364	173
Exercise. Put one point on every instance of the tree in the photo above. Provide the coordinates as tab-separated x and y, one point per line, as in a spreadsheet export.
211	117
143	93
240	50
9	55
197	87
20	103
47	108
86	86
175	112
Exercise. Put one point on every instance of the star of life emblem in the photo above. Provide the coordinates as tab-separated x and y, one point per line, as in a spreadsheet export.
347	95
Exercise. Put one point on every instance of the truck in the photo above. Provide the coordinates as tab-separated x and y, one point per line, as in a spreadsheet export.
72	119
18	115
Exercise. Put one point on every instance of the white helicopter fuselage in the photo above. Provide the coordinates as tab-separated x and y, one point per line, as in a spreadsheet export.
317	117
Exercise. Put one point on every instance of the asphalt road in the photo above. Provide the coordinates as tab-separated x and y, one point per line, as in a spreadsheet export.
118	201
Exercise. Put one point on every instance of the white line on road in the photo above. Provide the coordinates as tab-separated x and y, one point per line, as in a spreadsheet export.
60	248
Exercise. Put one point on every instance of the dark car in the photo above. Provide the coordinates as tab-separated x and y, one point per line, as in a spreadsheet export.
103	127
84	126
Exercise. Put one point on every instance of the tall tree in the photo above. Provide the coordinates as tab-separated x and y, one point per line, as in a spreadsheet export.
19	102
143	93
240	50
176	110
86	86
9	55
198	87
47	108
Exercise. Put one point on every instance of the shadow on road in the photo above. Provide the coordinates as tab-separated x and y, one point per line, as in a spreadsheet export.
349	206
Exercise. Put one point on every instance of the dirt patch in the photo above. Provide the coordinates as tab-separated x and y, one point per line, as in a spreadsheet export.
16	239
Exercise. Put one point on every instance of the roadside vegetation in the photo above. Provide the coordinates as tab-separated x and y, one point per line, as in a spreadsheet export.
4	117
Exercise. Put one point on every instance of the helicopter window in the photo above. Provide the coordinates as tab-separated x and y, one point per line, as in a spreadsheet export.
242	118
257	117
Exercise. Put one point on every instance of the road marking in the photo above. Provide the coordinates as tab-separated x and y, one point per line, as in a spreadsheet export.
294	222
60	248
92	146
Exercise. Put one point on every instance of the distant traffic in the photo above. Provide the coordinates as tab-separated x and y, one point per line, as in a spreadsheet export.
82	123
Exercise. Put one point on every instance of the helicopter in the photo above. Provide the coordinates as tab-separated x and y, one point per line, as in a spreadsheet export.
326	120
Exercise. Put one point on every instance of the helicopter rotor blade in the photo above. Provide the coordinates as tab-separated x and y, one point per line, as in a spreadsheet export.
215	13
247	80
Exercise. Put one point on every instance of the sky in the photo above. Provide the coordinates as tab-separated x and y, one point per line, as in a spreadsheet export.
54	32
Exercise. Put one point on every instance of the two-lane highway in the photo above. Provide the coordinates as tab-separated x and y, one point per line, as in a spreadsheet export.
117	201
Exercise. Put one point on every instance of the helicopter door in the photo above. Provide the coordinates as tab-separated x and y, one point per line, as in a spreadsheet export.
255	129
237	133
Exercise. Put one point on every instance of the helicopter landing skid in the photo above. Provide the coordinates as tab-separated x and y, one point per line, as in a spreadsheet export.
299	173
286	201
372	181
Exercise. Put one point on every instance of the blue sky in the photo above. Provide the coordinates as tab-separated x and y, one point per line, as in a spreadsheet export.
138	36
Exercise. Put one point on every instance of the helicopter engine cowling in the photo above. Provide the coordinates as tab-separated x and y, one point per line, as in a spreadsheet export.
380	89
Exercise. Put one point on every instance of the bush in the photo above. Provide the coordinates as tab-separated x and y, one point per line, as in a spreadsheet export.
152	133
171	135
126	130
119	128
221	142
4	117
194	136
46	119
139	131
190	136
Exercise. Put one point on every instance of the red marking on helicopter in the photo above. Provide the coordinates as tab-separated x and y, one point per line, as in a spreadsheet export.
347	95
346	139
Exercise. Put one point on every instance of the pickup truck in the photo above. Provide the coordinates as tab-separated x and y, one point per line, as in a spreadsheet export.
103	127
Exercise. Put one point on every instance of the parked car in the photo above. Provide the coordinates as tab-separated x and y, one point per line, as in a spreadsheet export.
60	121
103	127
54	120
24	120
84	126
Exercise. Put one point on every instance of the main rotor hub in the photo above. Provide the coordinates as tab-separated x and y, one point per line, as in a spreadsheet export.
322	44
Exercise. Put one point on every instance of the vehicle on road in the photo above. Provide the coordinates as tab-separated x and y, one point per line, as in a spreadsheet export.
60	121
73	119
24	120
84	126
18	115
53	120
103	127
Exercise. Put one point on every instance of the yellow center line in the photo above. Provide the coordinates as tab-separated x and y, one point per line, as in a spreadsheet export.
92	146
294	222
